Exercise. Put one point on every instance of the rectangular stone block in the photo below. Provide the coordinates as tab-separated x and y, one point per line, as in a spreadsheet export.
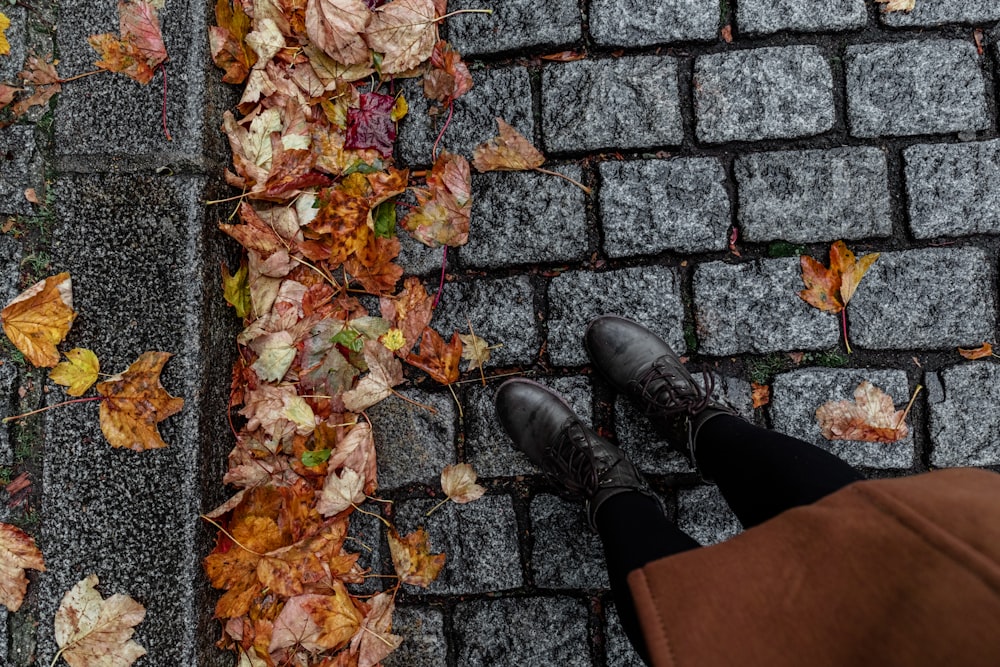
488	448
648	295
502	92
767	93
566	553
479	538
703	514
515	632
922	87
412	443
632	23
16	34
922	299
619	650
525	217
964	420
20	168
113	115
418	259
755	307
650	206
814	195
759	17
796	395
514	24
940	12
501	310
365	538
424	641
953	189
622	103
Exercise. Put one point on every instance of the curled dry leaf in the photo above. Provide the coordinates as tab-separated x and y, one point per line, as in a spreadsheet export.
981	352
437	359
510	151
374	641
135	402
78	372
405	32
92	631
316	622
897	5
410	311
39	318
411	558
17	553
459	483
445	206
761	394
872	417
228	41
384	373
449	78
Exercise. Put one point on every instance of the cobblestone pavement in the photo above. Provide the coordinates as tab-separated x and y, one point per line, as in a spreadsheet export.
821	120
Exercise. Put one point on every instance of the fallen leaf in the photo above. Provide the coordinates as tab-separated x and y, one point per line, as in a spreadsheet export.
316	622
448	78
31	195
373	640
727	34
405	32
93	632
266	40
475	350
227	40
399	110
236	289
384	373
337	27
761	394
977	36
39	318
4	44
897	5
565	56
340	492
459	483
984	350
442	218
7	94
410	311
139	50
17	553
371	124
412	560
135	402
41	74
872	417
830	289
438	360
510	151
78	372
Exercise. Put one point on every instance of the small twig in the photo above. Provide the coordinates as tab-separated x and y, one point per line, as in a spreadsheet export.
447	122
492	377
81	76
229	535
565	177
49	407
444	265
436	507
429	408
909	406
461	413
223	201
377	516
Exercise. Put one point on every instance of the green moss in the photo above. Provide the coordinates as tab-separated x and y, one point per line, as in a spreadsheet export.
785	249
832	358
763	369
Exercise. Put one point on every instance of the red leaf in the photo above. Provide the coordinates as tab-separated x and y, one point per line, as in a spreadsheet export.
370	125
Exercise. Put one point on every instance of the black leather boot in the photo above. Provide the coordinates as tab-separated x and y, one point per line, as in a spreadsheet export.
639	364
577	461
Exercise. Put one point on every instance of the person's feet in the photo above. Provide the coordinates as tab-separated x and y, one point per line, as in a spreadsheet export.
577	460
642	366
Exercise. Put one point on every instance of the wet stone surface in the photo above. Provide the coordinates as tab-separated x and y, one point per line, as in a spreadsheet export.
942	12
412	444
703	514
20	168
514	24
566	553
964	422
631	23
756	17
424	640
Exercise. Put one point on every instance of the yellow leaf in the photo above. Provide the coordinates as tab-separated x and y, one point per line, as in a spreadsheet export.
78	372
399	109
135	402
475	349
88	626
39	318
17	553
236	289
394	339
4	44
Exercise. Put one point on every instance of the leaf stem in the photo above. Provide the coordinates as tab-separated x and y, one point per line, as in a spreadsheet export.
58	655
229	535
49	407
909	406
447	122
81	76
578	184
377	516
843	320
429	408
223	201
436	507
463	11
444	265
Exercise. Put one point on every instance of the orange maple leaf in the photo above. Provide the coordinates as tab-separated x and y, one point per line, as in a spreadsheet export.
981	352
135	402
39	318
831	289
228	41
437	359
761	394
139	50
445	206
412	559
17	553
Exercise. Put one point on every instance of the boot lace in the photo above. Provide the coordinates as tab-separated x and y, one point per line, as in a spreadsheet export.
665	394
577	468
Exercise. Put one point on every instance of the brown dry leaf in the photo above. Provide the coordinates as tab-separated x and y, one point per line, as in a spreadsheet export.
510	151
984	350
474	349
437	359
7	94
831	289
405	32
140	49
135	402
39	318
17	553
761	394
727	34
459	483
448	78
78	372
410	311
317	622
897	5
373	640
337	27
31	195
384	373
227	40
412	560
565	56
40	73
340	492
445	206
871	418
94	632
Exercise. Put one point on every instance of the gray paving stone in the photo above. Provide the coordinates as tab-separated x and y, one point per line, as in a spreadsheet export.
619	650
926	87
964	422
633	23
418	259
20	168
814	195
758	17
514	24
703	514
566	553
413	445
8	407
365	538
768	93
649	449
13	62
648	295
928	298
10	265
522	632
953	189
525	217
489	449
650	206
502	311
112	115
424	641
796	395
146	282
940	12
479	538
503	92
755	307
621	103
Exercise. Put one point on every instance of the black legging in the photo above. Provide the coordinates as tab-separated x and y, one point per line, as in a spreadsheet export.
760	474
